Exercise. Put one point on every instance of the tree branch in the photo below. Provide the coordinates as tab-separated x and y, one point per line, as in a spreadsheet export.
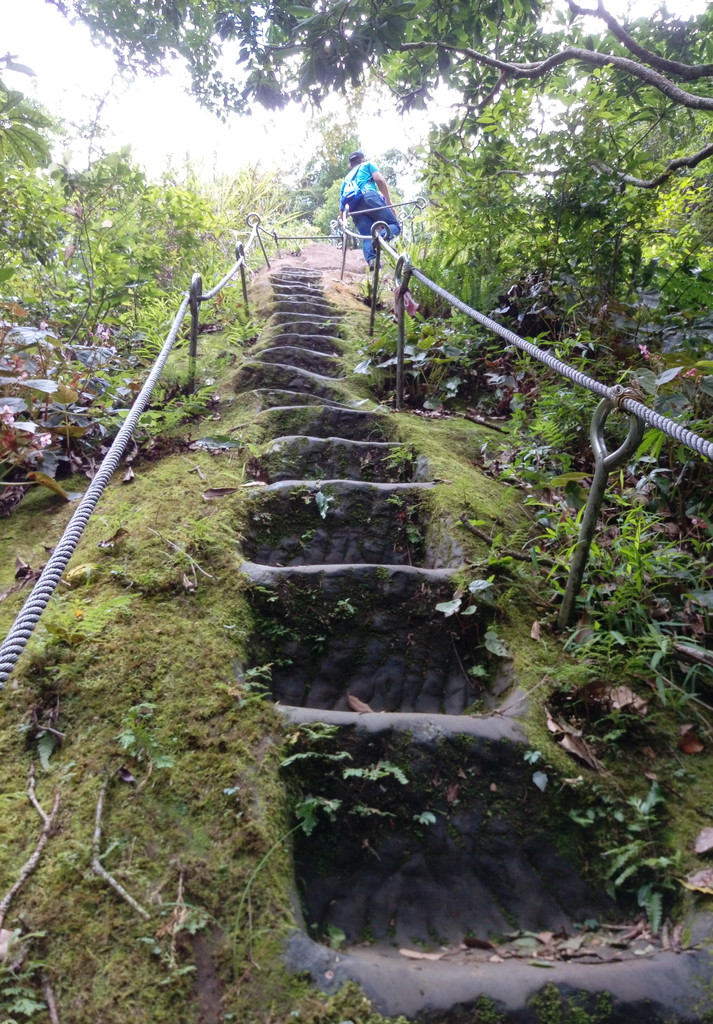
32	862
48	993
688	72
673	165
99	869
537	69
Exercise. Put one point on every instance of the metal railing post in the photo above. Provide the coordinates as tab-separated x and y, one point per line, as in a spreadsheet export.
376	229
345	240
194	304
604	462
240	256
253	220
403	274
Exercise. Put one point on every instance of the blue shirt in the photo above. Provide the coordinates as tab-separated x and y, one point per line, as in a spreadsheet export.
359	180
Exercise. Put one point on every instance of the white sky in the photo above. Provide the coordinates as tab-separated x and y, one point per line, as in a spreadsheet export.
156	116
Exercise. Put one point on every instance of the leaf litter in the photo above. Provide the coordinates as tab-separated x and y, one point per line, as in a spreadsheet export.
591	945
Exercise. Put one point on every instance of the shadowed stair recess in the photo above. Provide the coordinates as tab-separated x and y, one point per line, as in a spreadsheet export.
426	825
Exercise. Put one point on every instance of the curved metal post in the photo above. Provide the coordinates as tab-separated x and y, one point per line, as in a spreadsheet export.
604	463
345	240
253	221
403	275
240	256
194	303
376	229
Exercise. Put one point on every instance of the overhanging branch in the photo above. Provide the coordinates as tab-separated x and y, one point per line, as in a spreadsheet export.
688	72
673	165
538	69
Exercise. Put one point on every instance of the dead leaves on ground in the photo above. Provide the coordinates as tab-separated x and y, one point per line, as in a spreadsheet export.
546	948
573	742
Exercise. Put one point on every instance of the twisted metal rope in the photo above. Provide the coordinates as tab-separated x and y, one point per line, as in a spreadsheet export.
24	624
654	419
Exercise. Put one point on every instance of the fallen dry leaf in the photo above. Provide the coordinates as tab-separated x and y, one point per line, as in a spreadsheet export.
128	476
217	492
452	792
623	697
495	959
688	742
581	749
7	938
416	954
22	568
700	881
358	705
704	841
111	541
535	631
472	943
189	585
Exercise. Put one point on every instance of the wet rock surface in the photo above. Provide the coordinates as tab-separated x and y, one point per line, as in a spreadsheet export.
427	855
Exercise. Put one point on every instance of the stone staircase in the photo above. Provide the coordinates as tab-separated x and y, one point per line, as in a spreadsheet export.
437	833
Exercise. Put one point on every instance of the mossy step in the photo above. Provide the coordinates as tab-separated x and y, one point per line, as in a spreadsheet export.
369	631
317	324
332	522
302	286
307	305
317	342
276	397
303	357
255	374
458	843
330	420
301	456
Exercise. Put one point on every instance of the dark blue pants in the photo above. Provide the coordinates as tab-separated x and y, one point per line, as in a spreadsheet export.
370	207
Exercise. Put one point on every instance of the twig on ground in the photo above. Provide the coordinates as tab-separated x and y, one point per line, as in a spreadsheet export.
99	869
176	547
50	1000
475	417
32	862
519	555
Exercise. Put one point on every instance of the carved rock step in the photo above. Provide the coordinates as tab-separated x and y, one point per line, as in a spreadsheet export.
267	398
308	322
366	630
296	275
316	342
255	374
309	306
325	421
300	456
334	522
304	358
283	288
465	867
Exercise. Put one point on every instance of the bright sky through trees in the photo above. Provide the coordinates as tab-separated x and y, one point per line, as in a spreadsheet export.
157	117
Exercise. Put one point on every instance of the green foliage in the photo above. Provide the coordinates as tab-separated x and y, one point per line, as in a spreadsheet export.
138	739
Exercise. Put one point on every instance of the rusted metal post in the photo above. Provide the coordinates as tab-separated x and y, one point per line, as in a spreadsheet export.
403	275
345	240
604	463
376	229
194	304
240	256
253	221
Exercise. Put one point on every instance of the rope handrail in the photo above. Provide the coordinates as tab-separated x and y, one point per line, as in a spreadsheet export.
616	394
48	581
616	397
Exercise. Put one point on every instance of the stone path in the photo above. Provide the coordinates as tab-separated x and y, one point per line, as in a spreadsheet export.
344	580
